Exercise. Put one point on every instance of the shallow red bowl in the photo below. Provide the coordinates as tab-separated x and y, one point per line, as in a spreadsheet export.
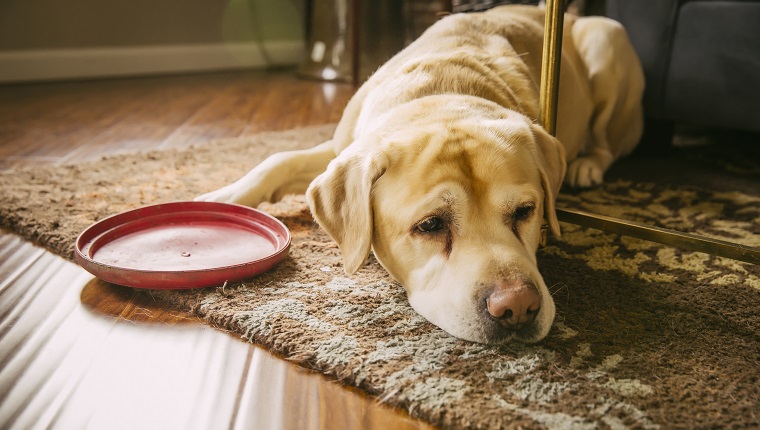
182	245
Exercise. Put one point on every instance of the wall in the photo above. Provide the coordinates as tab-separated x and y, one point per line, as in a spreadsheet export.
64	39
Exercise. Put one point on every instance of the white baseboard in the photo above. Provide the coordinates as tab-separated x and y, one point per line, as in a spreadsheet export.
62	64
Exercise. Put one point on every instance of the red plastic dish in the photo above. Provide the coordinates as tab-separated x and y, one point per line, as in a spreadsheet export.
182	245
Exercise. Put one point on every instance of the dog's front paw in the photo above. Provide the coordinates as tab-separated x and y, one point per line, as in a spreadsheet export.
584	172
232	194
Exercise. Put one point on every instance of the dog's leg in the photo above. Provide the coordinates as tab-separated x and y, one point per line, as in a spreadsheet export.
282	173
617	85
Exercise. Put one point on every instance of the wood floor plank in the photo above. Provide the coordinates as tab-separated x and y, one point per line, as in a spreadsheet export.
67	117
227	115
18	162
64	365
115	301
147	122
300	104
50	122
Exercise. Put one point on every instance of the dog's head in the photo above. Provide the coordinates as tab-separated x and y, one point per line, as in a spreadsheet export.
453	212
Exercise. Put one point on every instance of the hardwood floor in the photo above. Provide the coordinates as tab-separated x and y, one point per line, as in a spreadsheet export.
76	352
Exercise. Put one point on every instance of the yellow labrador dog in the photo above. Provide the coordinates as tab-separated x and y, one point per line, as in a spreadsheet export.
439	168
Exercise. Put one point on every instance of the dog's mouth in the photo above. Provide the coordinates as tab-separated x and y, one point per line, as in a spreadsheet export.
496	333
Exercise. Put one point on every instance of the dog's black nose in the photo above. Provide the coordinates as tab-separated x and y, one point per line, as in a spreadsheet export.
513	302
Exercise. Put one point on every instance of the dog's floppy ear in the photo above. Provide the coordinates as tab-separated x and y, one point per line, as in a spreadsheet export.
551	156
340	200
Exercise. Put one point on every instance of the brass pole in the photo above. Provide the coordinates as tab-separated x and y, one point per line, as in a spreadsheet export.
549	87
664	236
550	63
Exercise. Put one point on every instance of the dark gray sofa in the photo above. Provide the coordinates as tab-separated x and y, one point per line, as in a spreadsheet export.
701	59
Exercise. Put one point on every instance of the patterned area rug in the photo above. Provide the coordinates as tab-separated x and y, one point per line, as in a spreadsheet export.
646	336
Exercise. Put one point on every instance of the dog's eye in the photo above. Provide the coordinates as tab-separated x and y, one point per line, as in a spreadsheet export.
523	213
431	225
